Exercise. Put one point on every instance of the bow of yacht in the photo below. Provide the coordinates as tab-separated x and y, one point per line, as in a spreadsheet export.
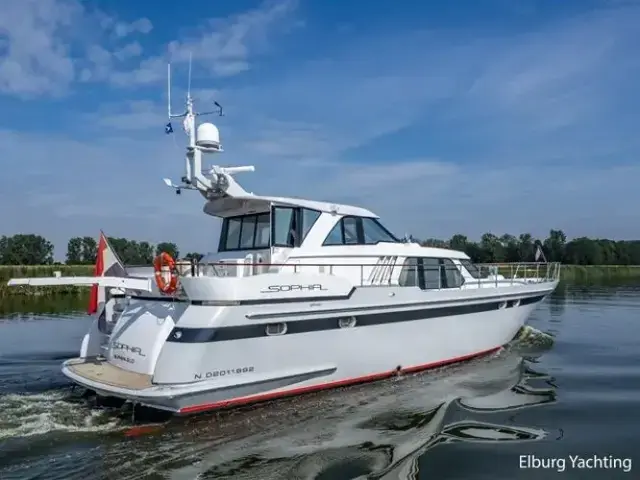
301	295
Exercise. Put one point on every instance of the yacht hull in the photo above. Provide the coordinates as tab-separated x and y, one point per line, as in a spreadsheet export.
194	358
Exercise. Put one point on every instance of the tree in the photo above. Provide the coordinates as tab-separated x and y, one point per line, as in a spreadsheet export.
74	251
132	252
193	255
26	249
169	247
89	250
554	245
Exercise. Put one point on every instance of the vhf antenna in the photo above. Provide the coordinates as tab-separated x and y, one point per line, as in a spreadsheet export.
218	111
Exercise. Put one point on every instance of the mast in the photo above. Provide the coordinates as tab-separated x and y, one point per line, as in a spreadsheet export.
202	139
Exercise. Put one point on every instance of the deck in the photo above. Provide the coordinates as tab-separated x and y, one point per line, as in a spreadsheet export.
99	370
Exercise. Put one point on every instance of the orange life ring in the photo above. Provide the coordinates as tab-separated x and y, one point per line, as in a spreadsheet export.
162	260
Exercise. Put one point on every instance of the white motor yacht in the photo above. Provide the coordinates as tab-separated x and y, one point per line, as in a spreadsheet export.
302	295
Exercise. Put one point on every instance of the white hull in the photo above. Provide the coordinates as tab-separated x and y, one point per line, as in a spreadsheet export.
232	362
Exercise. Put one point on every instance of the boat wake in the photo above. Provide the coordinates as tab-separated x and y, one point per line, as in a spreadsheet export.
24	415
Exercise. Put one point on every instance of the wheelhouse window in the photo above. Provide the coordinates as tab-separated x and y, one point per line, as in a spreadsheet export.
291	225
473	269
246	232
289	228
430	273
352	230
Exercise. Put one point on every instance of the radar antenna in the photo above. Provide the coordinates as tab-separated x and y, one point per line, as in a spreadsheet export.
203	139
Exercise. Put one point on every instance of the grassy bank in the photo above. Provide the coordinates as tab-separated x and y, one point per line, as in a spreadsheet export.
594	273
16	271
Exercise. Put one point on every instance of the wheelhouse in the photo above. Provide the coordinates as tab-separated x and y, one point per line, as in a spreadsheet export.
289	227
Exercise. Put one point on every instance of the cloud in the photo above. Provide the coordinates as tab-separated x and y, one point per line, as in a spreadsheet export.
223	47
35	57
438	131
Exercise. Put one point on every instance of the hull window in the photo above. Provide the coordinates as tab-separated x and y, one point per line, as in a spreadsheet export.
348	322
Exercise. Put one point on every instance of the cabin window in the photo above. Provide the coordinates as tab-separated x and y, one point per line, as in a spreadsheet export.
452	276
358	231
431	272
409	273
439	273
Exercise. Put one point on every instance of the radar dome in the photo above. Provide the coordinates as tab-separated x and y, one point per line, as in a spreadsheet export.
208	136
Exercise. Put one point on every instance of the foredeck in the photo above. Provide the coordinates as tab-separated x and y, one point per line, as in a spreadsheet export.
99	370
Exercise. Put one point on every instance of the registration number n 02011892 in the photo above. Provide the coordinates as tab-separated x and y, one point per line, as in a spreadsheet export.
223	372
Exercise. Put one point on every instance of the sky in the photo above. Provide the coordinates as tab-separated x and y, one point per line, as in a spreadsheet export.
502	116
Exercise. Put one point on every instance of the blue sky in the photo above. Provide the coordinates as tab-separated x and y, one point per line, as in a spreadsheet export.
442	117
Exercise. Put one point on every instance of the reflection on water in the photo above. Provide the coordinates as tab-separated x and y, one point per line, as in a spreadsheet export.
370	431
15	306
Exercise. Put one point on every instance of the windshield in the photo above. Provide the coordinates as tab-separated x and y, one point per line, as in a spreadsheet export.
473	270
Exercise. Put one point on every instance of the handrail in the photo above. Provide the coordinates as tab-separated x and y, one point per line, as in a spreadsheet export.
494	274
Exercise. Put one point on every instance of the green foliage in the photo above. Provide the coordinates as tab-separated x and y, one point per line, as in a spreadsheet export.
580	251
82	251
132	252
26	249
190	255
169	247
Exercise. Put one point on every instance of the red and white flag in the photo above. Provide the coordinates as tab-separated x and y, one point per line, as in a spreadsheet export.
107	265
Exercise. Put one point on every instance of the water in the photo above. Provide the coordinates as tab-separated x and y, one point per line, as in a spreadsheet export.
568	387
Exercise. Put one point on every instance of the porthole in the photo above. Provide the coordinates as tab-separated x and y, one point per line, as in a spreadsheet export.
347	322
276	329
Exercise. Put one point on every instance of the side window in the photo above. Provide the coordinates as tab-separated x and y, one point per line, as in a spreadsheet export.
350	230
374	232
431	269
263	231
233	233
335	235
283	227
309	217
409	273
452	276
248	232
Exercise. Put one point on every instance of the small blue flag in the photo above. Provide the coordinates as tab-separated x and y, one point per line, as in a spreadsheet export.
168	128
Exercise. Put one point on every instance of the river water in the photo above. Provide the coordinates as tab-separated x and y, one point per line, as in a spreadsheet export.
562	400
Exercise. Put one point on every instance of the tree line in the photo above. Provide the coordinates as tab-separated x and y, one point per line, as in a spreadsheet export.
31	249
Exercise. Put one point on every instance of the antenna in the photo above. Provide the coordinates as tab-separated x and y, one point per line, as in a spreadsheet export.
168	90
203	139
189	81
